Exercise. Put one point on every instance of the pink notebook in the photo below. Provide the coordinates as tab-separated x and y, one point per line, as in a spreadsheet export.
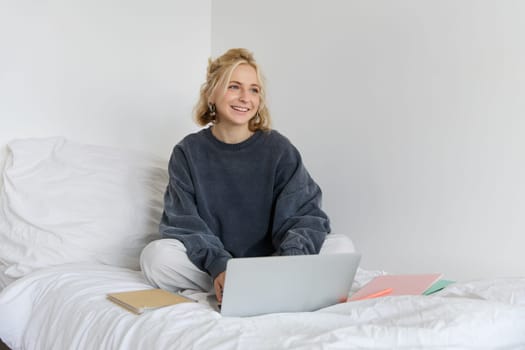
397	285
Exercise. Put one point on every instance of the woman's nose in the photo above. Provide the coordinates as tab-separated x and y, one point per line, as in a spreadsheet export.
243	96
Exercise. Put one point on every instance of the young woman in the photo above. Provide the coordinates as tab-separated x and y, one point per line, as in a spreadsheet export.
236	189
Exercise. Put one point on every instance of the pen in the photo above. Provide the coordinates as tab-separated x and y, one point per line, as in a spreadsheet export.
376	295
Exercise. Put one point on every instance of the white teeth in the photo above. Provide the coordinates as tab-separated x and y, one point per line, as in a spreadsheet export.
240	109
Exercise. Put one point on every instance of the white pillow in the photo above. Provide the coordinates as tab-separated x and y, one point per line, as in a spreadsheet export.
65	202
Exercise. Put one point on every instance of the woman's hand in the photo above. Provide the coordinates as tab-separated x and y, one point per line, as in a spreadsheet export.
218	284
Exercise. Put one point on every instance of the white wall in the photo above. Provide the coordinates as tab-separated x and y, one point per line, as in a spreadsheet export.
115	72
409	113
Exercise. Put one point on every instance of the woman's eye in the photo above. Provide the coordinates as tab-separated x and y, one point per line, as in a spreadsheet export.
233	87
254	90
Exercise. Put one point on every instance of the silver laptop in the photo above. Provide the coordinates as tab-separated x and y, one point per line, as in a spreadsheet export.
256	286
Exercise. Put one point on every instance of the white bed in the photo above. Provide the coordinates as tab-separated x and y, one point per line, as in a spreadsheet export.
58	193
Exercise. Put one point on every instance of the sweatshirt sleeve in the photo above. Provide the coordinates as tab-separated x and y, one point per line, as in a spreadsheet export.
181	220
300	225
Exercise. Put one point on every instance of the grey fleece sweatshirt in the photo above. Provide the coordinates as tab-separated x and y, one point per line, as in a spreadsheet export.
254	198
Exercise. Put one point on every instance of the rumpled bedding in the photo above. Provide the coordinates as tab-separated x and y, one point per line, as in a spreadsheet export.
65	307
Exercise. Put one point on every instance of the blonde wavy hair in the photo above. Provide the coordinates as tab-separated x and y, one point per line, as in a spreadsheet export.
218	75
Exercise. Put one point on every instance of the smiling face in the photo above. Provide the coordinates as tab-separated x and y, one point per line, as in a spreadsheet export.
240	101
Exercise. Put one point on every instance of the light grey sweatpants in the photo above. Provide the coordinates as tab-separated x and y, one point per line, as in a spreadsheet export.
166	265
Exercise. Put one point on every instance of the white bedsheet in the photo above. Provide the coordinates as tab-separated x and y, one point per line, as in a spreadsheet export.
65	308
4	279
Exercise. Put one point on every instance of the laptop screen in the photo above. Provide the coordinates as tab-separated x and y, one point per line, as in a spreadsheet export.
299	283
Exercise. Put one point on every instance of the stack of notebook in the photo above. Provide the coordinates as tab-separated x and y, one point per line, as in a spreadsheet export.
387	285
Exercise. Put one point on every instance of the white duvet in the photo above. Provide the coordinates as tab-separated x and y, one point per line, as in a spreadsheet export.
65	307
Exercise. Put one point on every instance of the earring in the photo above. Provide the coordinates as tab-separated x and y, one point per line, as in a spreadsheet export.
212	110
257	117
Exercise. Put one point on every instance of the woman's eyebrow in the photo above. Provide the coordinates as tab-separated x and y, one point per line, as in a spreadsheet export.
238	82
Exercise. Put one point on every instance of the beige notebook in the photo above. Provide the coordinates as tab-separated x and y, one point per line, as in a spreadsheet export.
138	301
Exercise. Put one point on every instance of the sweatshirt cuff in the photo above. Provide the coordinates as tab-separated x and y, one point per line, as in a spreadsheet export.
218	266
292	251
